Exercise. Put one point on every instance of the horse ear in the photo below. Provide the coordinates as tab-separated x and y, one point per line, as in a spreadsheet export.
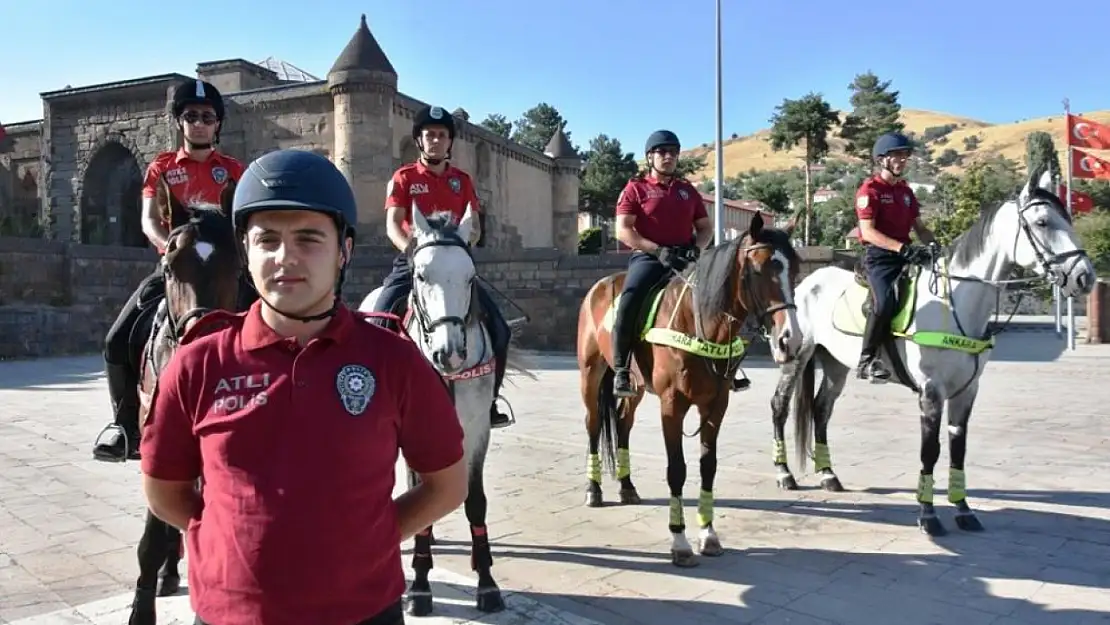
1031	183
419	223
466	224
756	225
1045	181
227	197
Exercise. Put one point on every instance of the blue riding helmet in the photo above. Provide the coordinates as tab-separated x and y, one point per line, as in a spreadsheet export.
661	138
891	142
297	180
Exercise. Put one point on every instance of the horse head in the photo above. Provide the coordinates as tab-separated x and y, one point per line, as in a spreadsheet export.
1044	237
443	275
201	263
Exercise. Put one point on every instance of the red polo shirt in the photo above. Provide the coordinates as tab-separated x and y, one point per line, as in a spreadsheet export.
297	448
191	181
665	212
449	192
893	207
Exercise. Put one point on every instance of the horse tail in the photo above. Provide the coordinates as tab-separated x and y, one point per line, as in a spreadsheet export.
803	412
519	363
609	412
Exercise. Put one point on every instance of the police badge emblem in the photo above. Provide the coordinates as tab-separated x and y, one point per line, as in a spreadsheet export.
355	385
906	199
455	184
219	174
683	194
861	201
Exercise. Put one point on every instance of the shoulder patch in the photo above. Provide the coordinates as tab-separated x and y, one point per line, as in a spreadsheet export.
862	201
210	323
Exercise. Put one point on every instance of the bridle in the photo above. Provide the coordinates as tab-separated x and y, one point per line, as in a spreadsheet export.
426	323
1046	258
765	308
177	325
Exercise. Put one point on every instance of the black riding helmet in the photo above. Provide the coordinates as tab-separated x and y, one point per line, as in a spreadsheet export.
197	92
661	138
433	116
890	142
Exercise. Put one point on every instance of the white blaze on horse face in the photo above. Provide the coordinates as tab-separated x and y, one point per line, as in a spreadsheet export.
788	340
442	280
204	250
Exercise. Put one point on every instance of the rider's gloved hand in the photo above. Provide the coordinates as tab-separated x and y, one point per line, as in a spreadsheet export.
916	254
672	257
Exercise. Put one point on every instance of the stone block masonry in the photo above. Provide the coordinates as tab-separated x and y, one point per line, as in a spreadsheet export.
61	298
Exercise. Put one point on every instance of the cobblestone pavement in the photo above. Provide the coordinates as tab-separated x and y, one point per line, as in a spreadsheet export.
1038	450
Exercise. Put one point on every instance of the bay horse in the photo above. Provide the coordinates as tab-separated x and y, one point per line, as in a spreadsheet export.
201	268
940	341
444	318
687	356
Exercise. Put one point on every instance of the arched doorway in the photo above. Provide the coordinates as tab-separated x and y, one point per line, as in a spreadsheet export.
111	198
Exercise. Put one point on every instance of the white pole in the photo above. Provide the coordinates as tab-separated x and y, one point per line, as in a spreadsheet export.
719	178
1071	300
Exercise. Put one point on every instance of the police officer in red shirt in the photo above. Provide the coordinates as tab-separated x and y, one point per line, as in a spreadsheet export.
293	414
663	218
196	173
434	185
888	210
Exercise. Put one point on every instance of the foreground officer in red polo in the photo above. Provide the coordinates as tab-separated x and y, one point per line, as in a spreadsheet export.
293	414
196	172
434	185
663	218
888	210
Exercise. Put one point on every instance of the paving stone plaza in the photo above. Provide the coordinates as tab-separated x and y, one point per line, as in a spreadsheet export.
1038	453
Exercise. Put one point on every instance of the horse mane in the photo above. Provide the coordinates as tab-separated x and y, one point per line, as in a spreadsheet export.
715	273
971	244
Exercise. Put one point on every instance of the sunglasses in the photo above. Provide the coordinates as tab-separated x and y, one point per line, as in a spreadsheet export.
192	117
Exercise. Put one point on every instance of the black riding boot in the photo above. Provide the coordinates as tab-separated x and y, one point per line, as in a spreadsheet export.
498	419
871	363
120	440
622	350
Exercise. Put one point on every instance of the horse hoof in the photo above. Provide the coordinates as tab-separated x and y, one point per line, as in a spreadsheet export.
490	600
787	482
169	586
684	559
711	547
593	495
931	526
832	484
630	496
968	522
420	605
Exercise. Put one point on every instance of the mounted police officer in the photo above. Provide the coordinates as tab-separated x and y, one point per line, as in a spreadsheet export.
888	211
662	218
196	171
433	185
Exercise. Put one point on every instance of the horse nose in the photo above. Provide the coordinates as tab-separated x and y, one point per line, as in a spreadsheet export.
439	358
1082	281
784	339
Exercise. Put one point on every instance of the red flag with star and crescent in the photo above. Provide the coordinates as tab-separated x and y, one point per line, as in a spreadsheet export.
1086	165
1085	133
1080	202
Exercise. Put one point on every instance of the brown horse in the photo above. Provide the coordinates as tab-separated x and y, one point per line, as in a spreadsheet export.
201	269
687	356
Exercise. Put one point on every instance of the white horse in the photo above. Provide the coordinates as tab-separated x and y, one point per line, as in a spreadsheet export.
445	321
941	342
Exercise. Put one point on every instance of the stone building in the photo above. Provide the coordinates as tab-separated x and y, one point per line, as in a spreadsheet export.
77	172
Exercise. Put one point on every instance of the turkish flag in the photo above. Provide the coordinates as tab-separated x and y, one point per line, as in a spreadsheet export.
1080	202
1084	133
3	133
1084	165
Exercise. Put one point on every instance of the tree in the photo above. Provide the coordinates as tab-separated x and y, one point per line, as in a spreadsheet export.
770	189
986	183
498	124
806	121
1041	151
689	165
1094	232
607	169
538	124
875	111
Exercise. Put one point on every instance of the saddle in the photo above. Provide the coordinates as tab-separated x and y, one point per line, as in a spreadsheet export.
901	285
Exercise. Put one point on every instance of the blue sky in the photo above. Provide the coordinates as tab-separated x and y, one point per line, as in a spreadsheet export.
622	67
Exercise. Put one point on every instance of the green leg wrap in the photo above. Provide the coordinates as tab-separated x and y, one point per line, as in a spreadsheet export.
821	458
925	489
705	508
624	464
593	468
779	452
677	517
957	486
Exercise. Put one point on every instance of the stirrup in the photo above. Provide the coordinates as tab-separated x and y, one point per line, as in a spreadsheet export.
122	434
741	383
511	414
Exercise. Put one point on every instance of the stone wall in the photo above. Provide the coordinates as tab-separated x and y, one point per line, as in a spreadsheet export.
60	298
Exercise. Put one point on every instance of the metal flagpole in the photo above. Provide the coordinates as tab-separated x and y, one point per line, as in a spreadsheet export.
1071	300
719	177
